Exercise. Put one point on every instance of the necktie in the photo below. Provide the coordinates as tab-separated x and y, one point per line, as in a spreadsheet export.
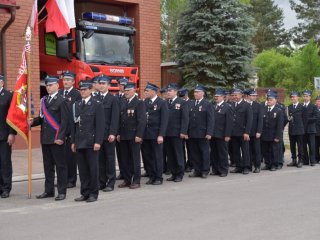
294	106
83	103
269	109
236	104
197	102
48	99
170	101
66	93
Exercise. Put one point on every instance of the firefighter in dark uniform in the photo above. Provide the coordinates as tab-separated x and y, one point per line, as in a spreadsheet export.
177	130
223	121
256	130
132	124
317	151
54	118
309	117
107	158
95	87
122	82
201	124
183	93
152	145
7	139
229	100
166	168
240	136
87	134
71	95
272	133
296	130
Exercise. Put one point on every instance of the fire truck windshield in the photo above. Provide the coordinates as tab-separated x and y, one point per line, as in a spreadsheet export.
103	48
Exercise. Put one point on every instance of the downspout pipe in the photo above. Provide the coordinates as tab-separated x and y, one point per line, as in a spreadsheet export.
12	10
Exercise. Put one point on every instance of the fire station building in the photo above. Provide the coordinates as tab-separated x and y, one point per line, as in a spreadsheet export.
145	42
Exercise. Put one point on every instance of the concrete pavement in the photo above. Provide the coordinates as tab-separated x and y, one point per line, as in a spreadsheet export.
270	205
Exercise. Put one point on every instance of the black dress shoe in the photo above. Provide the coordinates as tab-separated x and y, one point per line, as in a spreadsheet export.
273	169
188	169
107	189
299	165
204	175
145	175
292	164
149	182
71	185
60	197
5	195
119	177
245	171
236	170
265	168
91	199
214	173
223	175
279	167
81	198
194	174
167	172
157	182
256	170
124	185
171	178
177	179
45	195
134	186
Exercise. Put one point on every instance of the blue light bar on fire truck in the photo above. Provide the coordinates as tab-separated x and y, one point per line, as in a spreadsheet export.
107	18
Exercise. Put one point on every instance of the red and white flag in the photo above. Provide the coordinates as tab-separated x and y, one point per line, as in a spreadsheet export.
18	112
60	16
34	17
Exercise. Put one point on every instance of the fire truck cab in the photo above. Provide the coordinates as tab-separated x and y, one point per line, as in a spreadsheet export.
100	44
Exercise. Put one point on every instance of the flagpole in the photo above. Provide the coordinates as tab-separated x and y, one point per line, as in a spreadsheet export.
28	55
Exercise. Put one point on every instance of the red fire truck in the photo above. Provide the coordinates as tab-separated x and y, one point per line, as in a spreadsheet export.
100	44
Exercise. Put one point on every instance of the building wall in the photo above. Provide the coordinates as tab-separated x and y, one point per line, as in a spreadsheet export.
147	43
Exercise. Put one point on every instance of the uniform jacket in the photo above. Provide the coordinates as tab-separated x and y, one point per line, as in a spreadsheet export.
318	122
223	120
58	108
5	100
111	114
272	124
178	118
70	98
296	123
309	118
157	118
242	119
201	119
257	118
88	124
132	119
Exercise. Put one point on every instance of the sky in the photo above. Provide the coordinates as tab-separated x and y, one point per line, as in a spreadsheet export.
290	19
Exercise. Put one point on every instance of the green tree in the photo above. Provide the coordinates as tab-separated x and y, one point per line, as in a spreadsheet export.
170	13
273	67
214	43
270	32
308	12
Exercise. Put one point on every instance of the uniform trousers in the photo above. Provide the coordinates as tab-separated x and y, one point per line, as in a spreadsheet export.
152	153
130	154
200	155
71	162
54	158
270	152
88	164
238	146
107	164
296	140
5	167
255	151
174	151
219	156
309	146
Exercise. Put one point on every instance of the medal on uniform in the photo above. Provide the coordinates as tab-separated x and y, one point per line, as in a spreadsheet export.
155	107
200	108
70	99
219	110
55	97
2	94
274	115
178	106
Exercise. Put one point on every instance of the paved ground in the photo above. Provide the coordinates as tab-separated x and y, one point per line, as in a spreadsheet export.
270	205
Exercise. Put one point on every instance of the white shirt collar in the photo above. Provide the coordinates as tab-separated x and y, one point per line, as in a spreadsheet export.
199	100
131	98
153	99
306	104
86	99
104	94
271	107
53	95
174	98
69	90
239	101
219	104
1	89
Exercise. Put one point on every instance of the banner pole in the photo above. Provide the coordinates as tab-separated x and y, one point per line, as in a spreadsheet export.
28	55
